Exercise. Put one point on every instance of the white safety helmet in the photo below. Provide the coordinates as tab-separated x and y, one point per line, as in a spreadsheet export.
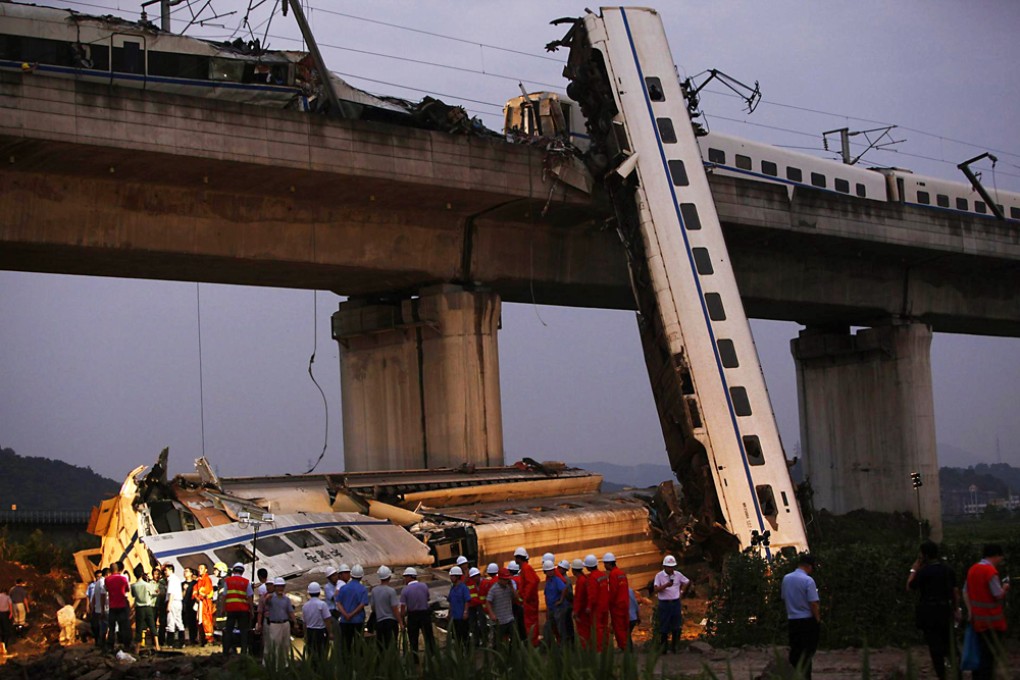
411	571
493	568
550	557
548	565
384	572
278	581
238	567
474	572
314	588
343	568
462	560
609	557
564	564
521	552
513	566
456	571
577	564
330	572
357	571
590	561
669	561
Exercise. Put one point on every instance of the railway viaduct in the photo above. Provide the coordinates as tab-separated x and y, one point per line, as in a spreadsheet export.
427	233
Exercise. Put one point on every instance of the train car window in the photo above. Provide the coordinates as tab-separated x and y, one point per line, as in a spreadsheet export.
692	411
743	162
767	500
679	173
817	180
716	311
333	535
769	168
703	261
716	156
303	539
794	174
962	204
36	50
273	545
354	533
727	353
233	554
752	447
655	92
923	198
842	186
192	562
1014	212
666	132
1001	210
192	66
129	58
226	69
741	404
862	190
689	212
942	200
980	207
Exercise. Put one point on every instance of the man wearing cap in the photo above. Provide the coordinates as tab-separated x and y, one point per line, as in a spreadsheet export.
557	611
619	600
476	614
459	598
351	602
598	600
238	597
317	634
582	616
278	613
330	588
414	601
529	595
515	583
386	606
800	594
669	587
499	606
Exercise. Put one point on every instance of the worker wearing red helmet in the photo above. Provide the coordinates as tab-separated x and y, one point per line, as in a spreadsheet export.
619	600
598	600
529	595
582	617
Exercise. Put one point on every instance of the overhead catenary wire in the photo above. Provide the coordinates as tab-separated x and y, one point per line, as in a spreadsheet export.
311	361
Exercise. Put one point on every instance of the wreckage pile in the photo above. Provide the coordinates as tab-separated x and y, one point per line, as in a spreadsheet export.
85	662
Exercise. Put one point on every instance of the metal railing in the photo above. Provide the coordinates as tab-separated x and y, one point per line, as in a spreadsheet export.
44	516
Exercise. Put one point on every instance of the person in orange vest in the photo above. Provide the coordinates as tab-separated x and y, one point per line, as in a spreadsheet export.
984	595
237	603
619	600
582	618
529	595
598	600
484	586
476	612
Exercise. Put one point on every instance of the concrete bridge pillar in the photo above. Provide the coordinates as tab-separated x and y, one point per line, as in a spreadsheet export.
867	419
419	380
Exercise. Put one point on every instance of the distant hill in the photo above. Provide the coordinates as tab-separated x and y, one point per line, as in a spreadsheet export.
44	484
999	478
618	476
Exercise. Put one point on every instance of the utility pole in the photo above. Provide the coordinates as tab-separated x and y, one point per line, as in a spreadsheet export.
915	478
336	107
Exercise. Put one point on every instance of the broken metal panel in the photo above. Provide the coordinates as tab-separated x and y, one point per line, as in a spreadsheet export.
538	488
301	495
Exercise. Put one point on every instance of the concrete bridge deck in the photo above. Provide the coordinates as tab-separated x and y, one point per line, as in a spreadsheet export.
129	183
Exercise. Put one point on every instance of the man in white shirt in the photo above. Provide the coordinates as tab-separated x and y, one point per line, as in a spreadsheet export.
174	606
669	586
317	633
99	607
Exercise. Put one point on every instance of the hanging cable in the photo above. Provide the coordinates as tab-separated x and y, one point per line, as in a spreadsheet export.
311	360
201	387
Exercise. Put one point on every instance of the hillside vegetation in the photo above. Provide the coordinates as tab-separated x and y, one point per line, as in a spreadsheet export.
33	483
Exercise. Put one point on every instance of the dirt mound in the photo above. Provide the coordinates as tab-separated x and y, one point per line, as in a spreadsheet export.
85	662
47	593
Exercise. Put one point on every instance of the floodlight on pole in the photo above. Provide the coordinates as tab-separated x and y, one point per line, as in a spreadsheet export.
915	479
245	519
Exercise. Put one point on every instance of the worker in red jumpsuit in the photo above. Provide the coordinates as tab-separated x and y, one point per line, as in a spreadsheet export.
529	595
582	619
598	600
619	600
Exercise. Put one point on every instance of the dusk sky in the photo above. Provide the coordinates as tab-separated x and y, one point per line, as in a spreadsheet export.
106	372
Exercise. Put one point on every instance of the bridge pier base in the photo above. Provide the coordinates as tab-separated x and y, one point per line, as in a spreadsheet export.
867	419
420	380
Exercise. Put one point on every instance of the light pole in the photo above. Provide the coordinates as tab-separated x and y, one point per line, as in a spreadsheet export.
247	520
915	478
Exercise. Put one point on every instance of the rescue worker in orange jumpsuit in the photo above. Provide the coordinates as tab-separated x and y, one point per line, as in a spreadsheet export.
619	600
582	618
598	600
206	608
529	595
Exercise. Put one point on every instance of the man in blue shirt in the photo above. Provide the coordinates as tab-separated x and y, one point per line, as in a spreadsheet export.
351	601
458	599
557	611
801	597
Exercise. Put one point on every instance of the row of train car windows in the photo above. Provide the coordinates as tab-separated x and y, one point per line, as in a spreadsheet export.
942	201
793	174
270	546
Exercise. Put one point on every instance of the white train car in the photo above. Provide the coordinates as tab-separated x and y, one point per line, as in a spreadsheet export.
714	408
905	187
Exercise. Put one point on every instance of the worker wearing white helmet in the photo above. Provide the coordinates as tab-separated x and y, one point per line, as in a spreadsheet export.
414	601
582	615
619	601
459	599
548	557
480	617
331	586
238	597
529	595
669	587
351	602
317	633
386	607
278	614
557	605
598	600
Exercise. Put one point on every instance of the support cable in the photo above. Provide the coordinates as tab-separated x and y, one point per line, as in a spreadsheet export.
311	360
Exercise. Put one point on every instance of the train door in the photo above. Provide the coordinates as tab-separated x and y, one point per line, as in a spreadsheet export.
128	59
